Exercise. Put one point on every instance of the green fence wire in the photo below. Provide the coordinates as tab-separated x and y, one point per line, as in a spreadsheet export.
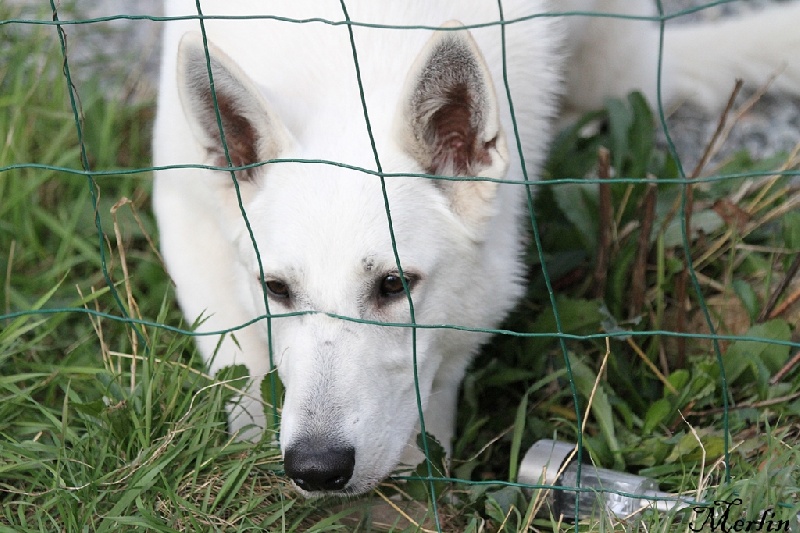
118	311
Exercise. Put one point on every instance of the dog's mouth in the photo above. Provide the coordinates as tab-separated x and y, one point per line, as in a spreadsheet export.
351	490
345	493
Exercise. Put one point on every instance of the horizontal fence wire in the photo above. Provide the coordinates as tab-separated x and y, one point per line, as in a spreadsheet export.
121	314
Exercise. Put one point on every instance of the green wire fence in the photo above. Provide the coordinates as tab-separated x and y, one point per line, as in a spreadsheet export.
119	311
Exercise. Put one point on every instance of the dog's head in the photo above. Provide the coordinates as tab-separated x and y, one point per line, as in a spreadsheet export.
343	254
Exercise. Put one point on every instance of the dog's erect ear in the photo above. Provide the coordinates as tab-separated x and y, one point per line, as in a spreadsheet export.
449	121
253	133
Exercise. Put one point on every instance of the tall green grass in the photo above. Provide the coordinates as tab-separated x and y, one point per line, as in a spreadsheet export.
108	424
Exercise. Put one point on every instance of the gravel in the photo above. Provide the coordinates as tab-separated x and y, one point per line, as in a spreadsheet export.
772	126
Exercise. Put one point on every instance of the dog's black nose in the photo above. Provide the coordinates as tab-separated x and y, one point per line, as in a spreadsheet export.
316	465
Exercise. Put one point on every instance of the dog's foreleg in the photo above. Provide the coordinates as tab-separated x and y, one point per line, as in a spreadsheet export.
440	416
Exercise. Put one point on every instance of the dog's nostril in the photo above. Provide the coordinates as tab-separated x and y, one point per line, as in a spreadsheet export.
319	467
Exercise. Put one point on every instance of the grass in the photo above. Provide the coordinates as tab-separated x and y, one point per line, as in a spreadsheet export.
106	424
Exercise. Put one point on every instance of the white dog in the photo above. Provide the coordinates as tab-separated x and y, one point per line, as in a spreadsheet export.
330	254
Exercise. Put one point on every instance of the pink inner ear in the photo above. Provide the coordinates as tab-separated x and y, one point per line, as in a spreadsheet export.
457	149
240	134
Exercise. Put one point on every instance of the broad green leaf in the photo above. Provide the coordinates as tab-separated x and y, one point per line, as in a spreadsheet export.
620	119
578	202
685	446
679	378
585	379
576	316
791	230
516	437
705	221
656	414
502	503
748	297
641	136
762	358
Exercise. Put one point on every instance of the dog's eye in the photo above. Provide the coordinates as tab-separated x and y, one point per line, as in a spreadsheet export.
278	289
392	285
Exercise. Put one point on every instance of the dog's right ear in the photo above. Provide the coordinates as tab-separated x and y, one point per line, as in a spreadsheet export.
252	131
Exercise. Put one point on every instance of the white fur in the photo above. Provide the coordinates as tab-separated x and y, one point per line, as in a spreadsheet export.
323	229
701	61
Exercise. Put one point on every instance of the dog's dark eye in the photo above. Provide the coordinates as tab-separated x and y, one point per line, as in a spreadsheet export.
392	285
278	289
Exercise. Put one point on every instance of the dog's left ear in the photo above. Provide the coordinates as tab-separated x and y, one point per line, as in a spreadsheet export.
449	122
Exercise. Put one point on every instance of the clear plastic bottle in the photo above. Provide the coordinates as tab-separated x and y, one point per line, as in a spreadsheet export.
550	462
